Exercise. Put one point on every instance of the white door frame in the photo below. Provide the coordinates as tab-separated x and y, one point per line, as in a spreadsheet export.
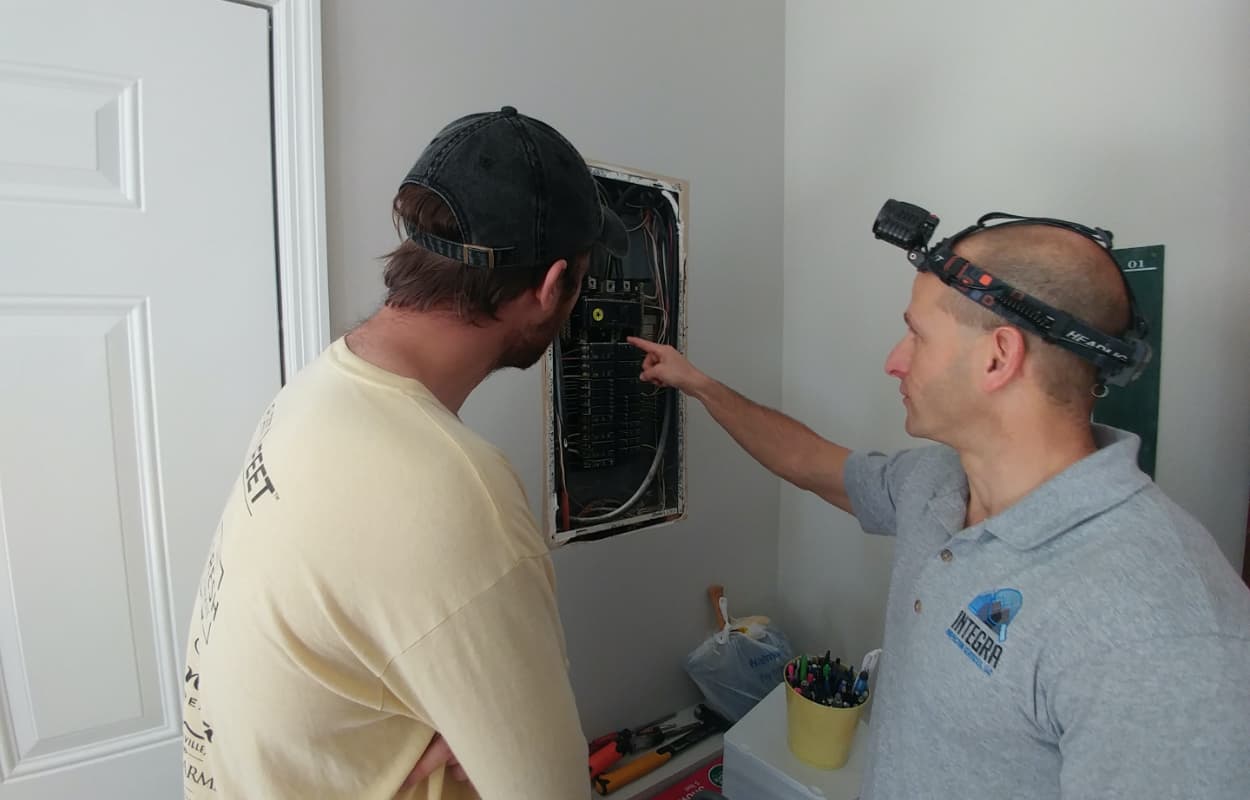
299	179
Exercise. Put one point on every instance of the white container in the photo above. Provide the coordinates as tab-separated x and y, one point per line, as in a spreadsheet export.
758	762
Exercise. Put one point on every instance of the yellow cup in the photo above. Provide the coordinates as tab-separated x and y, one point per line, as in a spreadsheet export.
819	735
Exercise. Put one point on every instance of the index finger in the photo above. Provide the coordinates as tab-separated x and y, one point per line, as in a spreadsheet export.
643	344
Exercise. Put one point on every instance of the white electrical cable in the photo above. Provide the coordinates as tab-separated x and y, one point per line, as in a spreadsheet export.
646	481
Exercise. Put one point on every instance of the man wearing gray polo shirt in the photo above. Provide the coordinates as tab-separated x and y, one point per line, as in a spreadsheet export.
1056	627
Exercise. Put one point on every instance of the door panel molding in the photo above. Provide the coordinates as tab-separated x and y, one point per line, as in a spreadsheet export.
49	722
94	160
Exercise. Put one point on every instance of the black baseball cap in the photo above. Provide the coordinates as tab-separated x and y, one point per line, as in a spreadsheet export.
520	192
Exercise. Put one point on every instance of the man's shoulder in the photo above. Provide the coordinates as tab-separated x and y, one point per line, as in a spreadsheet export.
927	470
881	486
392	463
1153	570
1188	562
408	437
937	459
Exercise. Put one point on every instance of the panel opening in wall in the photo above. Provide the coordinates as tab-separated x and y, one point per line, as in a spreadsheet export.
615	446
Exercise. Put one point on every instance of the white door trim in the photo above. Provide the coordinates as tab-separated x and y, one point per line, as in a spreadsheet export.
299	178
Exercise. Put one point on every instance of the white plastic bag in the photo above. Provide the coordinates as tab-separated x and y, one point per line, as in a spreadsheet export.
740	663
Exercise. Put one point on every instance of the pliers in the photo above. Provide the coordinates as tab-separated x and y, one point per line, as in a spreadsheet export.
612	747
709	723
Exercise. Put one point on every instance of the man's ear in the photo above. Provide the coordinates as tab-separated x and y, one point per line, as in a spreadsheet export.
551	290
1004	360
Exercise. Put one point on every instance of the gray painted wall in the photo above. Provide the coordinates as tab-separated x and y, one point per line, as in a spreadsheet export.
1138	122
691	89
1134	122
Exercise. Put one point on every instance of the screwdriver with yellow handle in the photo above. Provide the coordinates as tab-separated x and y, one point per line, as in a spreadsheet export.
711	723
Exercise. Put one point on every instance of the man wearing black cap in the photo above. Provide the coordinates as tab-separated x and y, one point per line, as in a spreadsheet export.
377	579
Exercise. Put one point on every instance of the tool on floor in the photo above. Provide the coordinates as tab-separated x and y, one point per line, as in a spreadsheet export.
612	747
709	724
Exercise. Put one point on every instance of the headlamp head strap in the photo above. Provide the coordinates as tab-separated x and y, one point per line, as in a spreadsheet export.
1119	359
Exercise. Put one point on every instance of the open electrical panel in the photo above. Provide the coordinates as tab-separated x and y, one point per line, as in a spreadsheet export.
615	446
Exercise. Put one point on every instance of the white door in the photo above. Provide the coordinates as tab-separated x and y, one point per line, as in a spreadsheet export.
138	347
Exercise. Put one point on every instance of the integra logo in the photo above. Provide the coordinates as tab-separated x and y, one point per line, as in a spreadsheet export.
982	633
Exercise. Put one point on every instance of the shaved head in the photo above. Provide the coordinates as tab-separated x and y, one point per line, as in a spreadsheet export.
1061	268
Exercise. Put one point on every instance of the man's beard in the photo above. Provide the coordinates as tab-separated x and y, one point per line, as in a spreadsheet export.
525	350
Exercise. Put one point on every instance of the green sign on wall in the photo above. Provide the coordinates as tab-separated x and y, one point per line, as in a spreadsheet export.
1136	407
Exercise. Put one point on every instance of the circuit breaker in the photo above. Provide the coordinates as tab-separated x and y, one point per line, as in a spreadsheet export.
615	446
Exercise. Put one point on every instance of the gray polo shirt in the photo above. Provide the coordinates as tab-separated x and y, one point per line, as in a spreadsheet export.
1089	642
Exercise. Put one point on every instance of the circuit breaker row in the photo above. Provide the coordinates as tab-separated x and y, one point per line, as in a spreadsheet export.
606	406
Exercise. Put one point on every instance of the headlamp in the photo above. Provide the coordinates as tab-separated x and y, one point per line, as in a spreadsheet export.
1119	359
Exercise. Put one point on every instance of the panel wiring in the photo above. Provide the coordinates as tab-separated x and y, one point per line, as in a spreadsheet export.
615	435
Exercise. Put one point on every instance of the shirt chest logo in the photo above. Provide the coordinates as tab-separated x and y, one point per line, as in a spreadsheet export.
980	631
